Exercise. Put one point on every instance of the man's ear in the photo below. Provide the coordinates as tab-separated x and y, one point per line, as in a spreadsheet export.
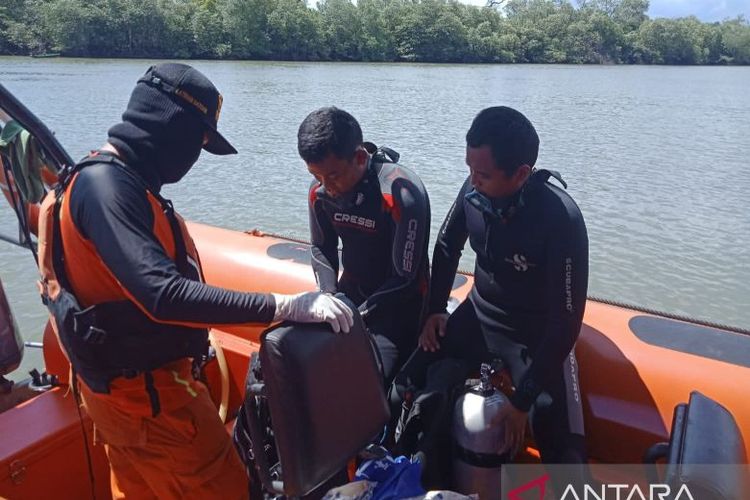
521	175
361	156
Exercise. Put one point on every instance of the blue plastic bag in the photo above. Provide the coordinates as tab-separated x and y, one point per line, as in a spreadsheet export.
396	478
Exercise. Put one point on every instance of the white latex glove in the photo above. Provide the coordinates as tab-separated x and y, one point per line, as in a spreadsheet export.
314	307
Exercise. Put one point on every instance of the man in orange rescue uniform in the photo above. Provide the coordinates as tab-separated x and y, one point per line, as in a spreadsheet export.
122	279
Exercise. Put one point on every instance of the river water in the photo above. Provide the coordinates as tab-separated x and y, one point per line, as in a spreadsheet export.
656	157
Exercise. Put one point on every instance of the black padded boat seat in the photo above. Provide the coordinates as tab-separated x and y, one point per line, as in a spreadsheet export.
704	433
326	399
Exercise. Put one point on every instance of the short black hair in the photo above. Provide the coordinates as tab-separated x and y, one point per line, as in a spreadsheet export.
509	134
328	130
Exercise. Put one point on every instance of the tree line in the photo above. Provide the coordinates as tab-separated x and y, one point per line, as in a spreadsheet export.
513	31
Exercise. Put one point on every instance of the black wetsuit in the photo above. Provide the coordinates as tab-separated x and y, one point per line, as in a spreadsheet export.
526	305
384	226
111	209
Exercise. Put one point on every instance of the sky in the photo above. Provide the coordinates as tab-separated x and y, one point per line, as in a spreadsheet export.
705	10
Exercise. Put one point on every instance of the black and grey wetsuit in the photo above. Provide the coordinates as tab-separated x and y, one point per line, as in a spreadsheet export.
527	303
384	226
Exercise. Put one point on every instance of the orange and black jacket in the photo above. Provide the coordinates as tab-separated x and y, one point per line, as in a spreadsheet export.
121	248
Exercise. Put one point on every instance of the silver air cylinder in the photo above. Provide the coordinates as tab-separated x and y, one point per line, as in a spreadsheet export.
476	463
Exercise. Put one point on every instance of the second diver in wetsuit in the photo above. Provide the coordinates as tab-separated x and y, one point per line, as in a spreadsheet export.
380	212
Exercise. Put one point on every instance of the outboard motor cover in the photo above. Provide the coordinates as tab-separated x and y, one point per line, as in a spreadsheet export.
325	396
11	344
476	463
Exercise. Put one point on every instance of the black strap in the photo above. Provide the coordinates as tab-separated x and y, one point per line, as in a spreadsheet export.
381	154
153	394
483	460
79	403
158	83
58	257
179	241
388	154
543	175
19	209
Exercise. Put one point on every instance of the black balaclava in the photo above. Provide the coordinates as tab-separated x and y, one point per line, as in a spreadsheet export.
158	138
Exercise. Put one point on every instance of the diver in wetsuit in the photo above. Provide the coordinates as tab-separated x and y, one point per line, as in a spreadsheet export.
380	212
529	293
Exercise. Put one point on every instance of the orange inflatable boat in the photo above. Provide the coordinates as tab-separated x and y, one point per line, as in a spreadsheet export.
635	368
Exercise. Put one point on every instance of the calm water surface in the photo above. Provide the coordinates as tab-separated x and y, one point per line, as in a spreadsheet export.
656	157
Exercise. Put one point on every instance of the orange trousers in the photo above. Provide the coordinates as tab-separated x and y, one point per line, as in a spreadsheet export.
182	453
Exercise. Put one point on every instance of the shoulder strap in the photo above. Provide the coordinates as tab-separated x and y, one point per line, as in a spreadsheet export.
106	157
543	175
381	154
63	180
58	257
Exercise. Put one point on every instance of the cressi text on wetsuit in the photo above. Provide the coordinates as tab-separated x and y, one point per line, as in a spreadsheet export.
383	224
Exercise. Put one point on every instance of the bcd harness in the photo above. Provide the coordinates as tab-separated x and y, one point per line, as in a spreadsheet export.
113	339
503	215
381	154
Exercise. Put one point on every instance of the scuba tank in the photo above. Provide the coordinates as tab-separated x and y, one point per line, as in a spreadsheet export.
11	344
476	464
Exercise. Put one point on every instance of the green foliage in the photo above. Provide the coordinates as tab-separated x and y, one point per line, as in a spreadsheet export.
23	31
246	23
340	29
6	20
528	31
378	39
630	14
672	41
736	37
431	31
205	25
293	31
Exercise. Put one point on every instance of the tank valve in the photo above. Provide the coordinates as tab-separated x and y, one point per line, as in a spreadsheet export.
485	384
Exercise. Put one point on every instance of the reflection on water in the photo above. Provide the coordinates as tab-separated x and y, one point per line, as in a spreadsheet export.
655	157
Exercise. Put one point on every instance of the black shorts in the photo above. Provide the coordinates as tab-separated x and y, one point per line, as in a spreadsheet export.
556	416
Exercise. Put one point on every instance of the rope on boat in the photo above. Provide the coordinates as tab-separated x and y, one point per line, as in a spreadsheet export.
679	317
282	236
601	300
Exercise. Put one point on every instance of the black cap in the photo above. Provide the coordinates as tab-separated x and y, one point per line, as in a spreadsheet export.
194	92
